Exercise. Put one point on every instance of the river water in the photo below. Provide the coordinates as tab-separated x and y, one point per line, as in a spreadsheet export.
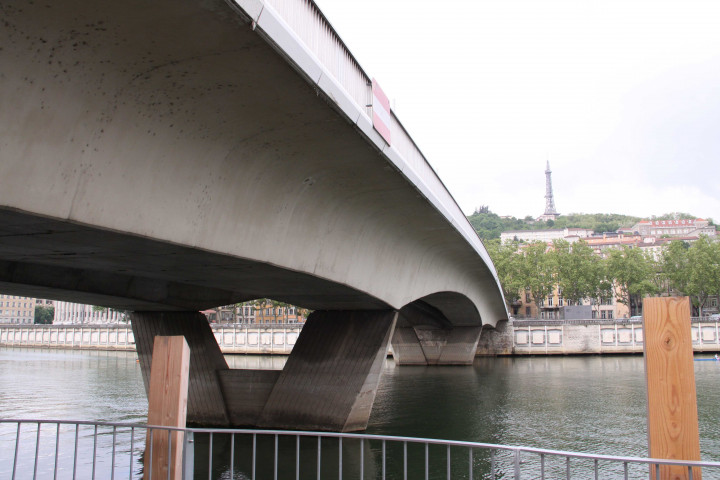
592	404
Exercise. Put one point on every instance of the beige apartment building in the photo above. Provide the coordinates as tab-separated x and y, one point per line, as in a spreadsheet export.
16	309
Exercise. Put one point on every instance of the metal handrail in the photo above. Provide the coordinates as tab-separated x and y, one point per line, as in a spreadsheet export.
514	464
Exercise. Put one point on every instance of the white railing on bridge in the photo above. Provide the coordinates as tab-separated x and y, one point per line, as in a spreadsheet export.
78	449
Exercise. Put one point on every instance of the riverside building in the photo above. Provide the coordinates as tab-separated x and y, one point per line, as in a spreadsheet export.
16	309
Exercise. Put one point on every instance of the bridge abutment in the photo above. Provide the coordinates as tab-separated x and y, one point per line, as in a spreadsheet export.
329	381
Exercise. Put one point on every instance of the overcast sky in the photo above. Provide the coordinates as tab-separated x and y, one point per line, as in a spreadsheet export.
622	97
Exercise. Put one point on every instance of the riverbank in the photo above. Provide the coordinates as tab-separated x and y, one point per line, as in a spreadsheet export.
240	339
528	337
578	337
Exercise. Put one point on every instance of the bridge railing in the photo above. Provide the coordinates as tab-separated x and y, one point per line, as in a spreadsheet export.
318	36
77	449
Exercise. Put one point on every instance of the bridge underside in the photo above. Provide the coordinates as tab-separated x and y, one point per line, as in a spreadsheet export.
47	258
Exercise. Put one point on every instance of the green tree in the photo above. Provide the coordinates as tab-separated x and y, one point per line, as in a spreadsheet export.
574	269
537	272
632	271
44	315
601	283
703	279
676	266
507	260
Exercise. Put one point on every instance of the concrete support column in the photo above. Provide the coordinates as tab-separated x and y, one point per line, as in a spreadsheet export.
406	347
431	345
330	379
206	405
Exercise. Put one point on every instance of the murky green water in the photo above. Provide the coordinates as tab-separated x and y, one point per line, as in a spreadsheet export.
590	404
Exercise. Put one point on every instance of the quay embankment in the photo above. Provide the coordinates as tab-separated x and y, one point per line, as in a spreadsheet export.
241	339
578	337
519	337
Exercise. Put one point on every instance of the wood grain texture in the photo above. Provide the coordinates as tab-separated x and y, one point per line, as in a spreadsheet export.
672	402
167	406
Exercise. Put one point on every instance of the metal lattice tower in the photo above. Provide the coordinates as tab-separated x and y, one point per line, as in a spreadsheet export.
549	202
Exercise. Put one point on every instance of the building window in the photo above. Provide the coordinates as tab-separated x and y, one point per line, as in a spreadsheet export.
527	311
560	302
550	301
603	314
609	314
594	314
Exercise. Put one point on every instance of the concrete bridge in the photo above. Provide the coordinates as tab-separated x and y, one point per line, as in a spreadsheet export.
170	156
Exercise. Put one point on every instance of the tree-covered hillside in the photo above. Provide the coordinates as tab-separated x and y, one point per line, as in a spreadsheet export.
489	225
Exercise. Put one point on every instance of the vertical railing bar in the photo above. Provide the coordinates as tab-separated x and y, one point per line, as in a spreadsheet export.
340	458
169	455
152	432
254	455
17	447
427	447
57	451
448	462
517	464
567	468
114	438
657	471
405	460
77	428
94	457
132	449
542	466
690	470
297	457
470	463
626	470
319	454
232	455
210	455
362	459
383	460
597	473
492	464
37	451
275	466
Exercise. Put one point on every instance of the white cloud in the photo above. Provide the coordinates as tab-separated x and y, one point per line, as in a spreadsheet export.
620	96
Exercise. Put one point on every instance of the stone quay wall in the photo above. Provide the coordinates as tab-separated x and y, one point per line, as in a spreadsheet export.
531	337
572	337
257	339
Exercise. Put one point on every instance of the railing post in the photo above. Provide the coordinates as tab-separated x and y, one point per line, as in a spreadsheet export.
188	456
672	403
167	406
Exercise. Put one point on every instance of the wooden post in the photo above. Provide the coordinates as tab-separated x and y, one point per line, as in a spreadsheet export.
167	406
672	402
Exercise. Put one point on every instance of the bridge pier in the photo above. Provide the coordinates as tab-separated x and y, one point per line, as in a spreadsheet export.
429	345
329	381
425	337
206	404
